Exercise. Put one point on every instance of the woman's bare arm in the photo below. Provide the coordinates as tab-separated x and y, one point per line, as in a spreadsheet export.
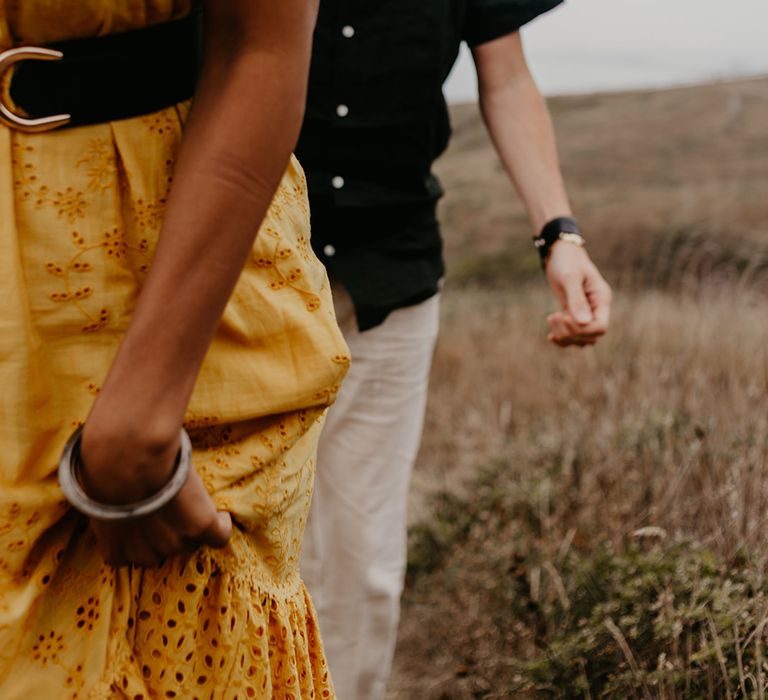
242	128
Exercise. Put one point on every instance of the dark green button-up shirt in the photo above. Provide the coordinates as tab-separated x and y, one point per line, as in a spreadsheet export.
376	120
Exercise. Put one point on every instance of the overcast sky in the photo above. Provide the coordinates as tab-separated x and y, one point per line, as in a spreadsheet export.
593	45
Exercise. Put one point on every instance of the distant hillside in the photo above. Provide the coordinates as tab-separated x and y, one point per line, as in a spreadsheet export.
647	171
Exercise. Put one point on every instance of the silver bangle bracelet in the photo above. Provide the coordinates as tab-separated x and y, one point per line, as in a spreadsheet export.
69	471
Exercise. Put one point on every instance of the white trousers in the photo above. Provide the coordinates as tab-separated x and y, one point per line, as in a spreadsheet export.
354	554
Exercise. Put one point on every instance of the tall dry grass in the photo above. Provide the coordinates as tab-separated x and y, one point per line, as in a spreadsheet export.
663	424
545	452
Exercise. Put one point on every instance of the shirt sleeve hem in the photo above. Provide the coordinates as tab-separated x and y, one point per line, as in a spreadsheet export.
508	23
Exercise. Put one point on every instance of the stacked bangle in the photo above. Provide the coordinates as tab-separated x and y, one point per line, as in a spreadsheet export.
69	473
563	228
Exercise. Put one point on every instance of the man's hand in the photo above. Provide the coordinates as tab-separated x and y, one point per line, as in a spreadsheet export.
521	129
584	296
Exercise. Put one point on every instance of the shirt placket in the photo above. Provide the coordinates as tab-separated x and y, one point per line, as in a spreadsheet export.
346	31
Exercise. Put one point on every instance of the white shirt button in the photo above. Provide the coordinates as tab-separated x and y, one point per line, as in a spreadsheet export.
342	110
337	182
348	31
329	251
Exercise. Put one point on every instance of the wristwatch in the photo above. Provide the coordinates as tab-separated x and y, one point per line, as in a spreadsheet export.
563	228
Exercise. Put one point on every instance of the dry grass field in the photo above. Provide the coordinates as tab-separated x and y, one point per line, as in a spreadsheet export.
592	524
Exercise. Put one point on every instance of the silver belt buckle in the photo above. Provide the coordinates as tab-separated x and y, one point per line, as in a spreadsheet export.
7	116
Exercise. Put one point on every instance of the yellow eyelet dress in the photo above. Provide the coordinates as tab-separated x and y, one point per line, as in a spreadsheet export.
80	213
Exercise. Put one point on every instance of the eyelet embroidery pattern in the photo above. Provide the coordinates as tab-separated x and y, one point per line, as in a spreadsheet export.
113	245
149	215
47	648
233	614
69	203
161	122
328	394
88	206
285	273
25	184
99	163
71	206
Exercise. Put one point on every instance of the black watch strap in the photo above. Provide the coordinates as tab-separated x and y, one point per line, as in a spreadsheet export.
552	232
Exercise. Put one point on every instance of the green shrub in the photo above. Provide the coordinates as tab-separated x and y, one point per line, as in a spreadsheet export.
669	622
654	620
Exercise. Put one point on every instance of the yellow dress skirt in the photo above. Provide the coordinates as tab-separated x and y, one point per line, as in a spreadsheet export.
80	213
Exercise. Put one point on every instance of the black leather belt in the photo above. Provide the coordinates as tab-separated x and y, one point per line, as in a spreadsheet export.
101	79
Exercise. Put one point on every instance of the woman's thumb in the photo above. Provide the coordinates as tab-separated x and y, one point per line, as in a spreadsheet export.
219	531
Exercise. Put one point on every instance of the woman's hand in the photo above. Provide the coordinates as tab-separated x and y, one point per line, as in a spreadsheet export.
584	296
244	122
121	470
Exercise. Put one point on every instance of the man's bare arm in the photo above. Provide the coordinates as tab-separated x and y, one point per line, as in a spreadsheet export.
521	129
